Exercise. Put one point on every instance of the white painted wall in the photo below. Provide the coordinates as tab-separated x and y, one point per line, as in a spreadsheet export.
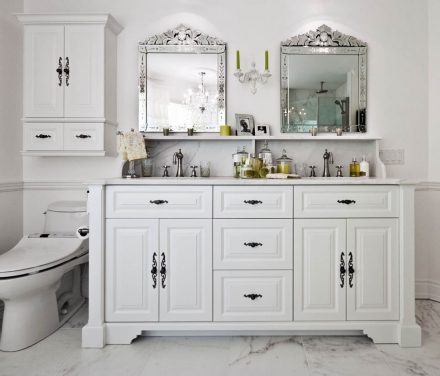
11	207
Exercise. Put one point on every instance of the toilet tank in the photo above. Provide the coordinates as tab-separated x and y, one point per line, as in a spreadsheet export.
65	216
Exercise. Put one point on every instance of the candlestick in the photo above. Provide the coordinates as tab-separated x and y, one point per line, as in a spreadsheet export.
266	60
238	59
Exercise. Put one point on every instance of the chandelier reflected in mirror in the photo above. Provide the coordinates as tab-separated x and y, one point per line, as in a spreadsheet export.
201	106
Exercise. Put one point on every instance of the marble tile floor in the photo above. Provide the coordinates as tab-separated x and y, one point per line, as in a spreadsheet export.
61	354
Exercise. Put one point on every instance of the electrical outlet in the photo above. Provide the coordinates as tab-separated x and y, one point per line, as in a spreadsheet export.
392	156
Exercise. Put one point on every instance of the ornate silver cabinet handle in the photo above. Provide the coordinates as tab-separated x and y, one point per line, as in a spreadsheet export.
67	71
59	70
83	136
253	244
346	202
158	202
342	270
154	270
253	296
163	270
350	270
43	135
253	202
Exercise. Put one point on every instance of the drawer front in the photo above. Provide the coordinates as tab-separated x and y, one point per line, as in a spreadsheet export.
253	244
346	201
253	295
84	136
253	202
43	136
158	202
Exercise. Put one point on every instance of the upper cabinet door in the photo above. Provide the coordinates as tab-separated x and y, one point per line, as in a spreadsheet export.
186	254
373	249
319	288
43	55
84	86
130	260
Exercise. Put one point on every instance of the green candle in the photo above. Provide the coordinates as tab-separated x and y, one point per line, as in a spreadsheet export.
238	59
266	60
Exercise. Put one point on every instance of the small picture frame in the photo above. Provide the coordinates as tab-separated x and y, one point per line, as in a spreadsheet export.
262	130
244	124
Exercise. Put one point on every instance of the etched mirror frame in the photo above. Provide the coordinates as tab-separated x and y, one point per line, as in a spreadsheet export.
323	41
181	40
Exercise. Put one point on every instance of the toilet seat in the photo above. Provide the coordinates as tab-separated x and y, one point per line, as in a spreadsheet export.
32	255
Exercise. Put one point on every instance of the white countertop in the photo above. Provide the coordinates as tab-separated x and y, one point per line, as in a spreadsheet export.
232	181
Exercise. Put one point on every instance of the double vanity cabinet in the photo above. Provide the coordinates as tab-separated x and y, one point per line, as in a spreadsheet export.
223	256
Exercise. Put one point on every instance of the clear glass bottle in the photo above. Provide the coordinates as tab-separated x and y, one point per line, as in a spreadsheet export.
364	167
355	170
239	159
284	163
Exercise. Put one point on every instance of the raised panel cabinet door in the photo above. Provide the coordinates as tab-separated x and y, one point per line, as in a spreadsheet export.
43	85
373	249
319	287
131	247
84	51
186	284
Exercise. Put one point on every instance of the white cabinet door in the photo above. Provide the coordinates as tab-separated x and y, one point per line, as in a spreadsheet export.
131	248
84	91
43	52
186	253
373	247
319	245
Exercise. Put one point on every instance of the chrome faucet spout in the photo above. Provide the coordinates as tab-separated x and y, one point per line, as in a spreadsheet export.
328	158
177	159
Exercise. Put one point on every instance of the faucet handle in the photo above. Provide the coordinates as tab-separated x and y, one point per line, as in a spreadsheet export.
339	171
165	171
193	172
312	171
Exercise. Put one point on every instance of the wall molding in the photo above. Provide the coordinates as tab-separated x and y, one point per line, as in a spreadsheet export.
428	289
11	186
428	186
55	185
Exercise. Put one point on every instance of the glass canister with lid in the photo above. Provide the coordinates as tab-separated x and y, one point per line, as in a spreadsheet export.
239	159
284	163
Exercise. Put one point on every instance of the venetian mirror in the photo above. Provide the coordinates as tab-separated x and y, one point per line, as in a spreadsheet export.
182	81
323	82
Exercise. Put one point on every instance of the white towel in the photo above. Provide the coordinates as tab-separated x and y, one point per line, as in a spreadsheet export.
131	146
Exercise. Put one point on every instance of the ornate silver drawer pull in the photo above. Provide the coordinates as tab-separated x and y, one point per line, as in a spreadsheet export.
158	202
347	202
350	269
253	296
342	270
253	202
83	136
43	135
154	270
60	71
253	244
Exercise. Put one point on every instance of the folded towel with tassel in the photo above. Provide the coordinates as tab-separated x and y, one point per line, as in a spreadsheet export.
131	146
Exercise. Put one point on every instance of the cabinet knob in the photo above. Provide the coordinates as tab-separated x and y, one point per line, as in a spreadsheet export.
253	296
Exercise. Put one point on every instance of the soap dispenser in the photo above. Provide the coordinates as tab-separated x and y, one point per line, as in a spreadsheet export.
354	168
364	167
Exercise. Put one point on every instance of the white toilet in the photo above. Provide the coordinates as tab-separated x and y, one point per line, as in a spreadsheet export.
38	300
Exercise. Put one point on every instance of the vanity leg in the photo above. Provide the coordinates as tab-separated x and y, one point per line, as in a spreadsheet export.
93	334
409	332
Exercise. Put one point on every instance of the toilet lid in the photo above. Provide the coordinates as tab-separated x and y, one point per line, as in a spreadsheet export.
39	253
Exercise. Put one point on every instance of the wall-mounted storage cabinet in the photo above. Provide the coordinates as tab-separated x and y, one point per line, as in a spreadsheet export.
69	84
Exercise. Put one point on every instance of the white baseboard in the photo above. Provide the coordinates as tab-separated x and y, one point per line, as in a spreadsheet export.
428	289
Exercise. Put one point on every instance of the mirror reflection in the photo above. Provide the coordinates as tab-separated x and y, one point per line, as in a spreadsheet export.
182	92
322	91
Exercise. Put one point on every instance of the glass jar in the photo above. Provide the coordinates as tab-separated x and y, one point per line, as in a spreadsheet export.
247	171
147	167
240	156
266	154
284	163
256	163
237	169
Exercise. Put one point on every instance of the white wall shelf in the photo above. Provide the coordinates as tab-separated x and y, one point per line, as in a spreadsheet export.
287	137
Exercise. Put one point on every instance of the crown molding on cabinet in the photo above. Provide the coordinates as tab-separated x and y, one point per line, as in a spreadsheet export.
70	18
11	186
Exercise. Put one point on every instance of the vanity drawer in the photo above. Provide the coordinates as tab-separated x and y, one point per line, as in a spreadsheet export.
253	244
158	202
253	295
253	202
43	136
84	136
346	201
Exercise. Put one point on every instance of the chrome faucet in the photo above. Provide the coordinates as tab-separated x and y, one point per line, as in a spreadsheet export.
328	158
177	159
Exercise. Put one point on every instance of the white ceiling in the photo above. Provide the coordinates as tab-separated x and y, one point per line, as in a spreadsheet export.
307	71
